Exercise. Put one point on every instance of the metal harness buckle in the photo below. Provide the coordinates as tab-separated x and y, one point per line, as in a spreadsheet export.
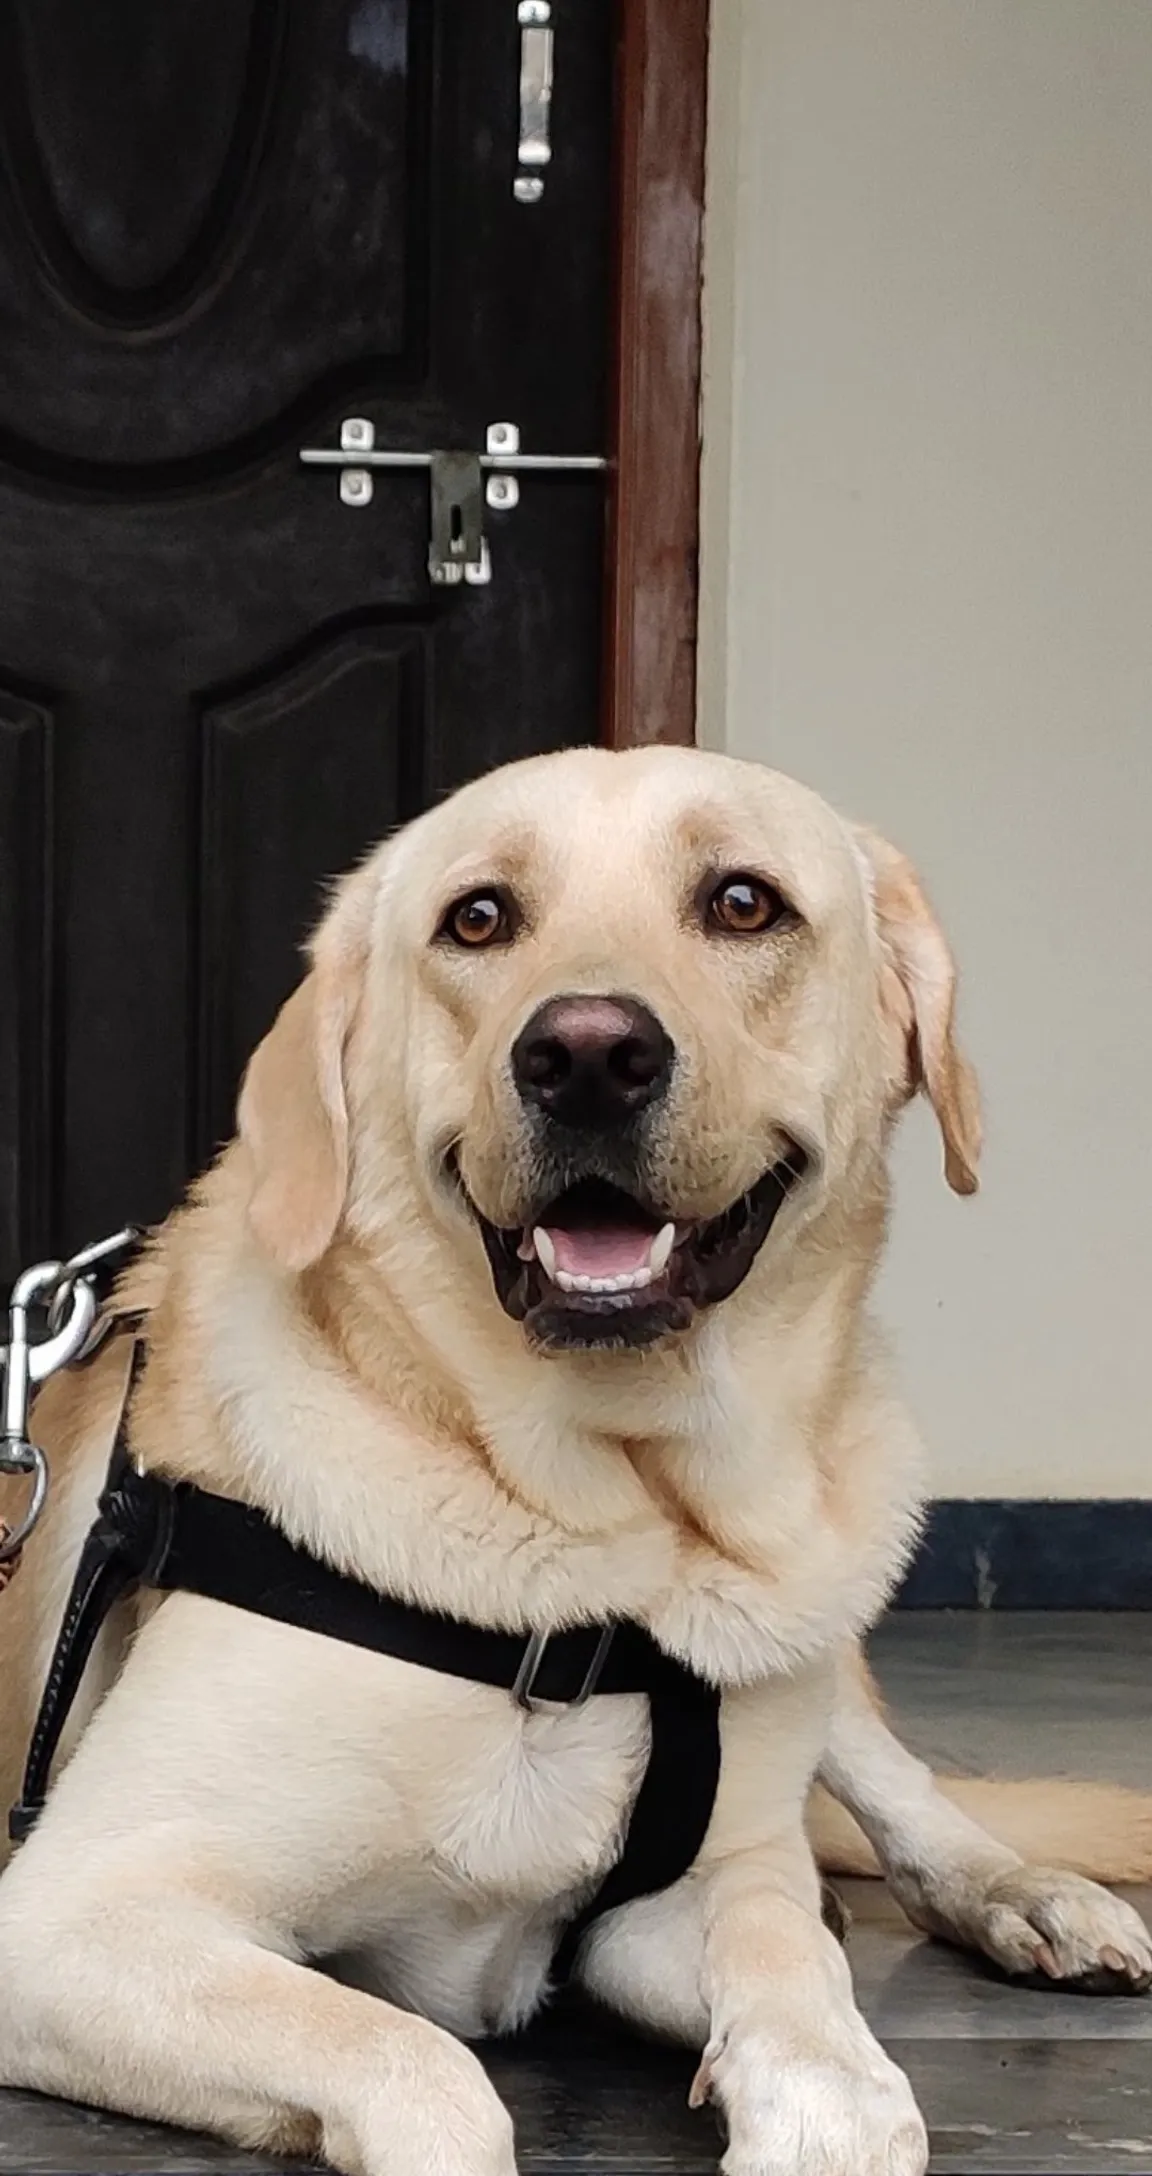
529	1670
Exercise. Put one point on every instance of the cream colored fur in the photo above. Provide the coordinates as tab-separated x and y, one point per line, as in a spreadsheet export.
246	1800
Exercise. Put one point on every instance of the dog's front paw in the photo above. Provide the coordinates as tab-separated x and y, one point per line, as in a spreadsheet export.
1034	1921
808	2116
434	2113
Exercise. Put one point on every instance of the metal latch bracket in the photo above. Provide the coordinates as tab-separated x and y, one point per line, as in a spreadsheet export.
457	548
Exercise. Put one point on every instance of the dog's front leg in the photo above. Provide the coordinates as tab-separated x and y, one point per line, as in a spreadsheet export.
803	2087
735	1959
154	2001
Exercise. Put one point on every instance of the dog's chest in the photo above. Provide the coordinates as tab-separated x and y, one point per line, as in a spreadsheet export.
541	1803
519	1817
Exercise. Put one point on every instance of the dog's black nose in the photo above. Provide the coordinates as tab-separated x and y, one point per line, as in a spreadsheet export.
592	1062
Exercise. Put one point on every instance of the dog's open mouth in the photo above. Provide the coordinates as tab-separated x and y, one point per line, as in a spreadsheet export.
598	1267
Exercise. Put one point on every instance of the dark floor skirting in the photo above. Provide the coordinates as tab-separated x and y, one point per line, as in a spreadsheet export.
1008	1553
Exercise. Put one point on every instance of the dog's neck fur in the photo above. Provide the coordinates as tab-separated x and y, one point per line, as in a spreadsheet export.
748	1492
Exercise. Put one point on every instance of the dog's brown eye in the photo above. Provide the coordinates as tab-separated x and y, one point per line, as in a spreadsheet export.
743	906
479	918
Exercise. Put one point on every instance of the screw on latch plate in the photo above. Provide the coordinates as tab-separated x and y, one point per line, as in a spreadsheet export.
502	442
356	486
357	435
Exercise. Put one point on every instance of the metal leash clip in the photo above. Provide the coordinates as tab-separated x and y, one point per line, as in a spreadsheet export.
67	1293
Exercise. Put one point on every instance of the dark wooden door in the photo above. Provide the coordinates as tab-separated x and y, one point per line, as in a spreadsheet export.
225	227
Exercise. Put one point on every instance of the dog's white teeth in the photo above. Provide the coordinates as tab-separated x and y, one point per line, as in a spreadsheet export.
545	1251
605	1287
660	1251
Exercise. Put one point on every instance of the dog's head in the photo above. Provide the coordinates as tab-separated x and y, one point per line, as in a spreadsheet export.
623	1022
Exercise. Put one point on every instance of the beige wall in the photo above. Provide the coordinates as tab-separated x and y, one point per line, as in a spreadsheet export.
928	591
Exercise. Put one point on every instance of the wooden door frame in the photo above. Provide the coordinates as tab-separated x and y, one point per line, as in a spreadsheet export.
649	689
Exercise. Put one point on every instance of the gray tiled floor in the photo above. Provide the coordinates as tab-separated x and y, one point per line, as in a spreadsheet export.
1023	1695
1014	2083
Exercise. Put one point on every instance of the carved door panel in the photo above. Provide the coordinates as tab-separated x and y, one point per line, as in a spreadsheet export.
226	226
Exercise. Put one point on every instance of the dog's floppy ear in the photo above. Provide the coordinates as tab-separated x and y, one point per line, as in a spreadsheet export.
918	995
292	1114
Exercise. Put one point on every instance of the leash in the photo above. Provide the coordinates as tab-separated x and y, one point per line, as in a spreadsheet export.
70	1296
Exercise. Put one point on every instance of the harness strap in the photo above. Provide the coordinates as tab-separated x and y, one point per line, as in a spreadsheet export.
112	1561
9	1565
172	1536
217	1547
672	1809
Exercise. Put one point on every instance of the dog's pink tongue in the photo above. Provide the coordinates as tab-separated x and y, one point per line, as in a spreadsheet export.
601	1250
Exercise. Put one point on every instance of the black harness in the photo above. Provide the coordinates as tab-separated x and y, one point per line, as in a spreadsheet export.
169	1536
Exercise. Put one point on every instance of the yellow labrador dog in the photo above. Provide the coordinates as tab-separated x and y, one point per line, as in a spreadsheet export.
534	1289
